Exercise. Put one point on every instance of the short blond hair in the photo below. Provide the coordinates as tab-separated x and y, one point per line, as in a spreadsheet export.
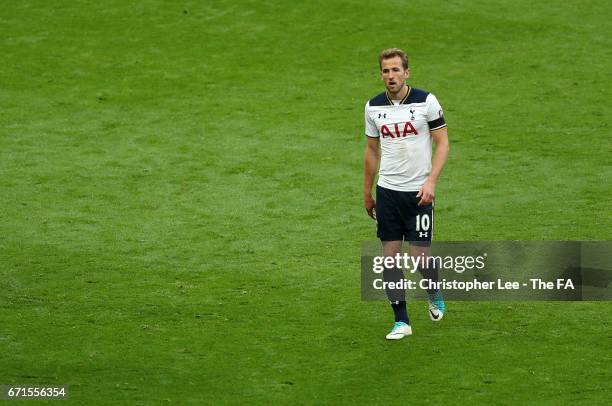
392	53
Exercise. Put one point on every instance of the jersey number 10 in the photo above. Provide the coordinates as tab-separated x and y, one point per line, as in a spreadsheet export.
422	222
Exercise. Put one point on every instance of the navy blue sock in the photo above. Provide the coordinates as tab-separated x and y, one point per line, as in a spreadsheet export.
397	297
430	274
400	311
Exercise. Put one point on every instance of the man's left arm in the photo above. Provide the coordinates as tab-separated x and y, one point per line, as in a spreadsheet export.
428	191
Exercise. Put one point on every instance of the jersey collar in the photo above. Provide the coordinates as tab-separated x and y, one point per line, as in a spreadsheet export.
403	100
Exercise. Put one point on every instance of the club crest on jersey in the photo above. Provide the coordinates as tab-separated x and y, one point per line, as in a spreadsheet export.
398	130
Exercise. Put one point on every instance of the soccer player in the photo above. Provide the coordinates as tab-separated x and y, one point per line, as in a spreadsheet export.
400	125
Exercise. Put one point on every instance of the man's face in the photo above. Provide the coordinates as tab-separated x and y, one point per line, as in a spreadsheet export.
394	75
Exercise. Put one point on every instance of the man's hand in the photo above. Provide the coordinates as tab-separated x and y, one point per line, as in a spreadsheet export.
427	193
370	205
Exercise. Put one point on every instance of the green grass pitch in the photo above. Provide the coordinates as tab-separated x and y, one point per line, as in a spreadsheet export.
181	211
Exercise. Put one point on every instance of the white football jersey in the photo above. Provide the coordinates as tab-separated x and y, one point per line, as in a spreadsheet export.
405	139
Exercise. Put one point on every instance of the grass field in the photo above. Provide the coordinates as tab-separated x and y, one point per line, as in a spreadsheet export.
180	198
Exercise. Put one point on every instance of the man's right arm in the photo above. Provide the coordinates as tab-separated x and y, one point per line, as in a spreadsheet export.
372	156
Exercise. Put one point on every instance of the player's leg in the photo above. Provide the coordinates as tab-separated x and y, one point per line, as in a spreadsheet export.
396	295
429	272
390	233
419	222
